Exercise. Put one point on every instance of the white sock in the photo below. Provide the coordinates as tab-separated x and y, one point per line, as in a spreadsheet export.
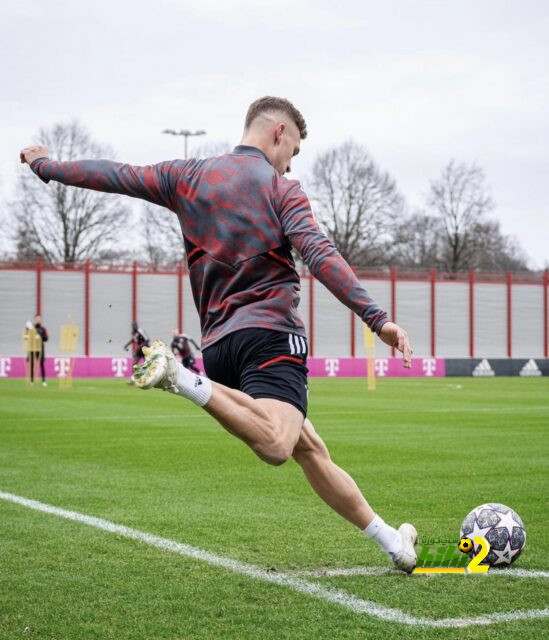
196	388
387	537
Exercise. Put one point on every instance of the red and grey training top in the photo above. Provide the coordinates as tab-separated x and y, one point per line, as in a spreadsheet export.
239	219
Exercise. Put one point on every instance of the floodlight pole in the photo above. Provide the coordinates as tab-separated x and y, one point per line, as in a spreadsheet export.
186	133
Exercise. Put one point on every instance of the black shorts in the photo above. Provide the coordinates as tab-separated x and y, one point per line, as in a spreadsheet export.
262	363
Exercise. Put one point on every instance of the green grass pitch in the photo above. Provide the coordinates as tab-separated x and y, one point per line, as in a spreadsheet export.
427	451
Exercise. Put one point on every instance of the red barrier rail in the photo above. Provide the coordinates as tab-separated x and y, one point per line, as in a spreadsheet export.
472	278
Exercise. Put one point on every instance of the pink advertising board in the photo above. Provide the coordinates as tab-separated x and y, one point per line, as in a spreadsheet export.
120	367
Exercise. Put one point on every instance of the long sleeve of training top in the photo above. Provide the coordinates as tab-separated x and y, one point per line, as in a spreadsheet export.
320	255
155	183
239	220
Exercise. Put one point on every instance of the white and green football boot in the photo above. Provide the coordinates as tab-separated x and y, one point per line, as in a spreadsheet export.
159	369
406	558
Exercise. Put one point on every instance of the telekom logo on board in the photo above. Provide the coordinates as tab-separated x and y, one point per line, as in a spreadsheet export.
62	366
119	367
381	366
5	367
332	366
429	366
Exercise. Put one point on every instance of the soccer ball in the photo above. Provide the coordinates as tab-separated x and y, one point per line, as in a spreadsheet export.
502	528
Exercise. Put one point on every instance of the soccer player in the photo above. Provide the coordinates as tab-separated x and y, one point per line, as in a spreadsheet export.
43	333
139	339
240	217
180	345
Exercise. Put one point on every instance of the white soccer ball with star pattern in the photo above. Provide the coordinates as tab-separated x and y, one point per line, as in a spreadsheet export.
502	528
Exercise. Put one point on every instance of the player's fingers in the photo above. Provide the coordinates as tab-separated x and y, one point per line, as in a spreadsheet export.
404	345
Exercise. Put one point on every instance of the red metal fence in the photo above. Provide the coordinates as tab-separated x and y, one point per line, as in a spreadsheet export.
394	278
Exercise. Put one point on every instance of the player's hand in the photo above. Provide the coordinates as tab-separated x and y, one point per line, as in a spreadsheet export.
30	154
395	336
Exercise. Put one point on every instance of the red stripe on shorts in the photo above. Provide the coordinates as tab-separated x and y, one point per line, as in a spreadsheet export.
266	364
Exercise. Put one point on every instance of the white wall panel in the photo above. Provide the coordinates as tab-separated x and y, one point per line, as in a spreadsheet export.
452	319
527	321
332	323
413	313
380	291
63	301
110	313
17	306
157	304
490	320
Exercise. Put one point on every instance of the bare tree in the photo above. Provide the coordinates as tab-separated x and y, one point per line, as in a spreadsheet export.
59	223
495	251
417	242
212	149
460	199
161	237
356	201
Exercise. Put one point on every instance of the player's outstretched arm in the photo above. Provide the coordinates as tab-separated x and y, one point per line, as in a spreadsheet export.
154	183
328	266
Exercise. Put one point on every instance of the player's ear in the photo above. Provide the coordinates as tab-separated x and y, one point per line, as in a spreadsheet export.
279	130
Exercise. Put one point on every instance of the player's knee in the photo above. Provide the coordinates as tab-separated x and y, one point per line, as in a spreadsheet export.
309	445
277	453
280	455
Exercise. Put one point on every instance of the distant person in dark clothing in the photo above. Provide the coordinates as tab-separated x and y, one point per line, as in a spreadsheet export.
180	345
139	339
41	355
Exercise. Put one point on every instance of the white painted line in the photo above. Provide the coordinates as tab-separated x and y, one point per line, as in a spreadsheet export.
382	571
335	596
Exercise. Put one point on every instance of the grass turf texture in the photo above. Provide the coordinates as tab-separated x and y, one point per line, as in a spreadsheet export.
427	451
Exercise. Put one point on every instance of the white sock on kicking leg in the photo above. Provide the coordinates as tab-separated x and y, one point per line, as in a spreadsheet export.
387	537
195	388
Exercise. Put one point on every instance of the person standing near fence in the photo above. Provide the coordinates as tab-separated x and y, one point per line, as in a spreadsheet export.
41	355
240	218
139	340
180	345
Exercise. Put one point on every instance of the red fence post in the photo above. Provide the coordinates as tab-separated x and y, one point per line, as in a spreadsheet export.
471	314
545	315
433	312
311	316
180	297
393	300
509	316
38	286
87	308
353	346
134	291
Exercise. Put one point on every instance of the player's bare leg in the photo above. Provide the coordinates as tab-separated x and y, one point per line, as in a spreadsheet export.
275	430
336	487
269	427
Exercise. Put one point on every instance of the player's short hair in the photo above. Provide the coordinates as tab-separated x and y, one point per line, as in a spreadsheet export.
270	103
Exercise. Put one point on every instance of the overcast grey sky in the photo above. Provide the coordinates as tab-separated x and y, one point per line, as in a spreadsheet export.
418	82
